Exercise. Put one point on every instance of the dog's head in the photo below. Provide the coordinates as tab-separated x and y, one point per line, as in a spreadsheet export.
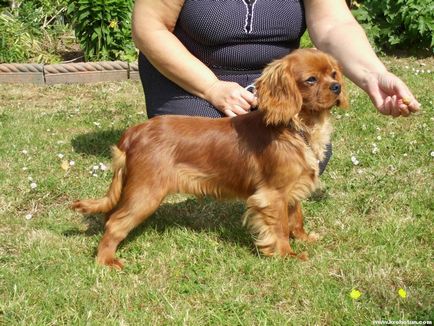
306	79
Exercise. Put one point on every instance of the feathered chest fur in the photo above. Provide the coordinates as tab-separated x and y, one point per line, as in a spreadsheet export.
317	131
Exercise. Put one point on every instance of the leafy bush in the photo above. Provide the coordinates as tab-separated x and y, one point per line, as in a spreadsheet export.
42	14
397	24
16	43
32	31
103	28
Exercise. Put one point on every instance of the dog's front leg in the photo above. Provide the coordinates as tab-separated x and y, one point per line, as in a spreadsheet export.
296	224
267	219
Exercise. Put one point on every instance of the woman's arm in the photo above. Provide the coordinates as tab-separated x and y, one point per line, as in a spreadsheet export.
333	29
152	30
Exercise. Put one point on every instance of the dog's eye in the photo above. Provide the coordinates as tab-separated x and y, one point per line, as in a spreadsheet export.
334	74
311	80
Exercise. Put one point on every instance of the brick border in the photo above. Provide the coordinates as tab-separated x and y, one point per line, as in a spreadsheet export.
68	73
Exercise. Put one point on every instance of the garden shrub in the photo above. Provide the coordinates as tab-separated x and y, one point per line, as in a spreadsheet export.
397	24
32	30
16	43
103	28
42	14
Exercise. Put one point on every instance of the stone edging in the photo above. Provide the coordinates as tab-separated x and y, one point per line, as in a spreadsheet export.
68	73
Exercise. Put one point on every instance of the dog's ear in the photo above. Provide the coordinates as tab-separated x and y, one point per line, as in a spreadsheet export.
343	99
278	94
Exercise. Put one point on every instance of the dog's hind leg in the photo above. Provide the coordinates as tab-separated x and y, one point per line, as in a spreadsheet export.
131	211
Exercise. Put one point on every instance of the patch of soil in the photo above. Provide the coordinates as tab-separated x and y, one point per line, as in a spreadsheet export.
72	53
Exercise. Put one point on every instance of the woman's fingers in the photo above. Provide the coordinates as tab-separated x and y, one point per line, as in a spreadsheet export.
250	98
231	98
391	95
235	110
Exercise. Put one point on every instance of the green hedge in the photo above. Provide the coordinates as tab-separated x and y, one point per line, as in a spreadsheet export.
397	24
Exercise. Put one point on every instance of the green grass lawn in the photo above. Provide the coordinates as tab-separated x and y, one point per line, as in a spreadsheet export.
193	263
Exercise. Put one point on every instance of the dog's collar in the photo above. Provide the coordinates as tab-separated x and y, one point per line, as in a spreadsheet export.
299	129
251	88
303	135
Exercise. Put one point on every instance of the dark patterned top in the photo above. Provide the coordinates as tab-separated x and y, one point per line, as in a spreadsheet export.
240	34
235	38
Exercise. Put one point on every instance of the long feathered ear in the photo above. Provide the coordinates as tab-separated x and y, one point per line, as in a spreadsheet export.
343	98
278	94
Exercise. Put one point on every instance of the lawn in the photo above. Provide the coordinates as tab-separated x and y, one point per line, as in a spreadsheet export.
193	263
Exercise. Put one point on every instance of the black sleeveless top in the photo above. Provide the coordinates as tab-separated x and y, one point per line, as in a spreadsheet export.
234	38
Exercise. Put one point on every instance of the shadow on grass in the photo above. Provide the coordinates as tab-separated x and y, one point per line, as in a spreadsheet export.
222	219
319	195
418	53
97	143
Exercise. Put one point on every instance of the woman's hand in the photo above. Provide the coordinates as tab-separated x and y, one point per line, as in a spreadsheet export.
333	29
391	96
230	98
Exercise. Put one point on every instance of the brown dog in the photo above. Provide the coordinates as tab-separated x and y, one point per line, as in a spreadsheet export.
268	157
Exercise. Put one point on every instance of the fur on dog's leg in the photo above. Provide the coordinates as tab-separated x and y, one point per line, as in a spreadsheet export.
296	224
129	213
105	204
267	220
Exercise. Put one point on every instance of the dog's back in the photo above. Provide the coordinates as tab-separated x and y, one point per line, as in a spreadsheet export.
218	157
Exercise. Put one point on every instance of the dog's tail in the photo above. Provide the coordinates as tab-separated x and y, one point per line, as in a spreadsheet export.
106	204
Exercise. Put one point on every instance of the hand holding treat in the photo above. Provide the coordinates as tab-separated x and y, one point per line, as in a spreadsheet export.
391	96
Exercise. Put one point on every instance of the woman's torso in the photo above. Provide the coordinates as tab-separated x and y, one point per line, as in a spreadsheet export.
235	38
240	34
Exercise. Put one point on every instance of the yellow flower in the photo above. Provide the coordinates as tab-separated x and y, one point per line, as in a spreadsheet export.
402	293
355	294
113	24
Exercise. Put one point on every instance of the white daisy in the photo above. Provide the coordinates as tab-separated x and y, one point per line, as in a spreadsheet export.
354	160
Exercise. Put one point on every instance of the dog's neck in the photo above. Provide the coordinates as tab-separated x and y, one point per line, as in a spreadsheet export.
309	119
315	129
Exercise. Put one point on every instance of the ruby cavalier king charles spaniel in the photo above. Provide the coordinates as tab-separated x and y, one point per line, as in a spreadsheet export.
268	157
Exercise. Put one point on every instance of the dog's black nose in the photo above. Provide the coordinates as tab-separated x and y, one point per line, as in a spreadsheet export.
335	88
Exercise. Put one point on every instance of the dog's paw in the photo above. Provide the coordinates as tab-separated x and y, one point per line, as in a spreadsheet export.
78	206
313	237
303	236
84	206
303	256
112	263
